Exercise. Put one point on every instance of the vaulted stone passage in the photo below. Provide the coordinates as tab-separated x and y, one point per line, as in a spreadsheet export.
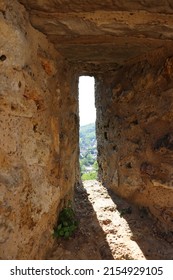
44	47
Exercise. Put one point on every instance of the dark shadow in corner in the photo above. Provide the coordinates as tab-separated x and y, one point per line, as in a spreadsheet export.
89	241
154	244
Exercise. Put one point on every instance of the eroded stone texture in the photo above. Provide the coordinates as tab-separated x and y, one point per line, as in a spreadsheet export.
135	132
103	31
36	153
163	6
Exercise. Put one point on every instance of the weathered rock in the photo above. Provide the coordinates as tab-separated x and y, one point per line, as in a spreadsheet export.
135	133
36	154
103	31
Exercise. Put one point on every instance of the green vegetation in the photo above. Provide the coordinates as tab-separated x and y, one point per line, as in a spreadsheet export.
67	223
89	176
88	152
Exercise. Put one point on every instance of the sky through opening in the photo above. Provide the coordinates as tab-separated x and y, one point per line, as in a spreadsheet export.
87	110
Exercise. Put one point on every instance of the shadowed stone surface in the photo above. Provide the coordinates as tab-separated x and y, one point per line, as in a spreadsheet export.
35	173
135	128
103	31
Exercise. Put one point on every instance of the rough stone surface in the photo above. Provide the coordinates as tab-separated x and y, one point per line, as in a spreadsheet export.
135	132
103	31
163	6
35	149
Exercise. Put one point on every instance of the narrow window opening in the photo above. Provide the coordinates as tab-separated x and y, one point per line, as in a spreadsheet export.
87	133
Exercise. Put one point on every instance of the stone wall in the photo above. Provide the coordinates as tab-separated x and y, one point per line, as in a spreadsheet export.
135	132
38	137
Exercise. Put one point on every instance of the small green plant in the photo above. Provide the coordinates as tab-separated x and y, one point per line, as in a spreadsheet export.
67	223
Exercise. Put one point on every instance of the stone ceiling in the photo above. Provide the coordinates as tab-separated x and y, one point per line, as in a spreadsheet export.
107	31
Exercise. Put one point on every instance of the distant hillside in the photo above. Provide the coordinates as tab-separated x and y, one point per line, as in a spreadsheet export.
88	151
87	137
